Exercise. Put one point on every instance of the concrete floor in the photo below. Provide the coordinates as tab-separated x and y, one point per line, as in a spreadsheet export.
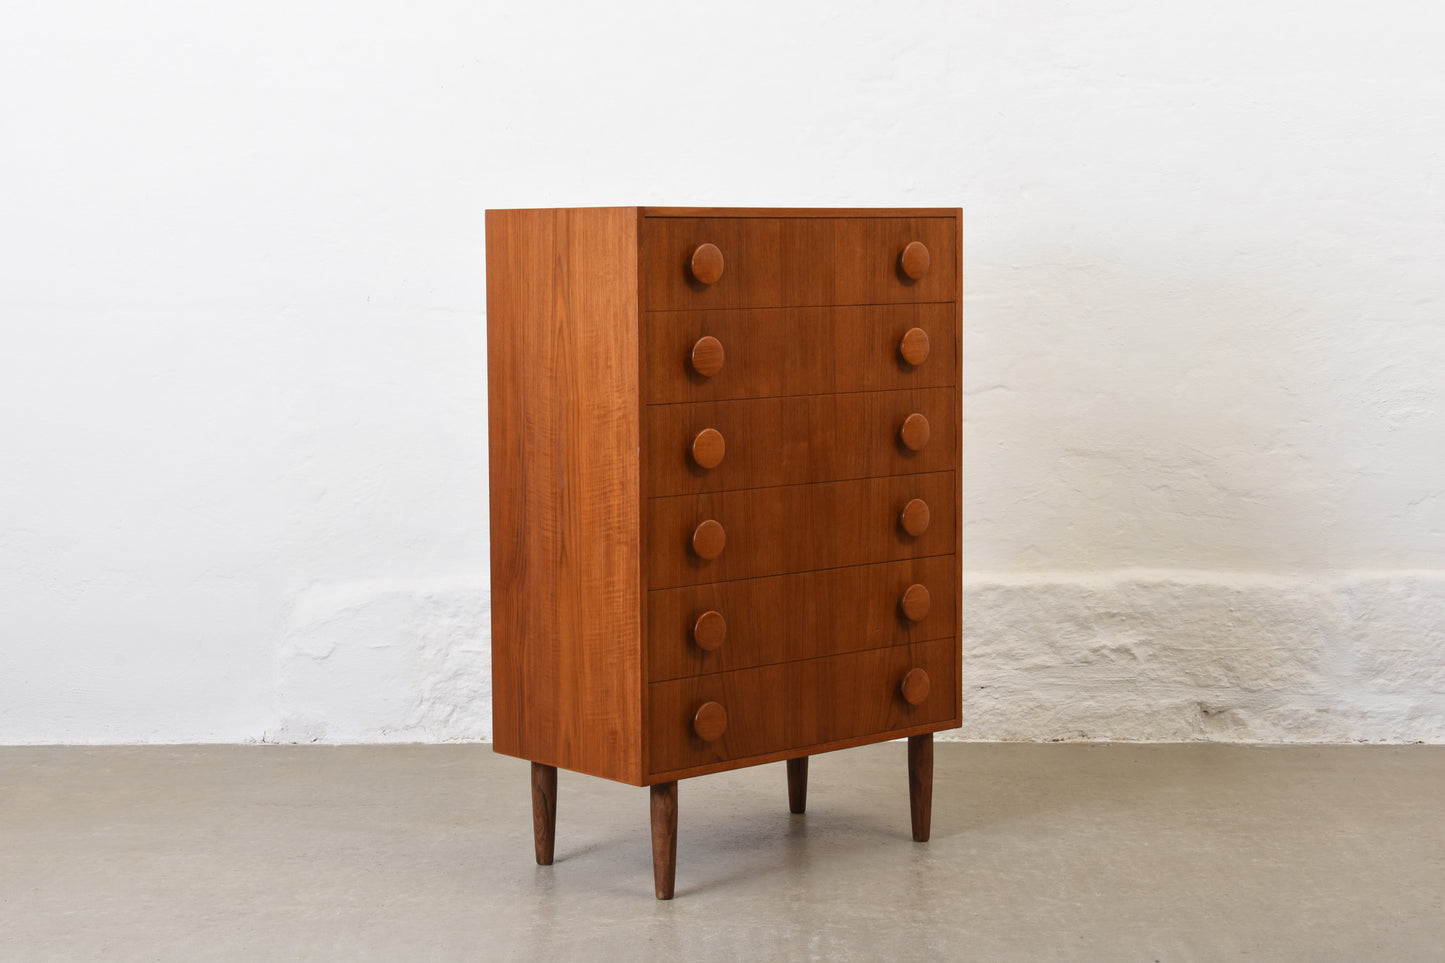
401	853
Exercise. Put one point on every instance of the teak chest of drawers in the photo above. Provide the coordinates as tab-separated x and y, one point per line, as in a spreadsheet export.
724	493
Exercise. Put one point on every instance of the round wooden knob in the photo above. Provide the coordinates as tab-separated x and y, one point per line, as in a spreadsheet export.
915	432
706	263
707	356
709	538
914	346
915	603
711	719
913	518
708	447
709	631
914	689
914	260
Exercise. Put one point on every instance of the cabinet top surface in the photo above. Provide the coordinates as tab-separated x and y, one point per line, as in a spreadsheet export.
772	211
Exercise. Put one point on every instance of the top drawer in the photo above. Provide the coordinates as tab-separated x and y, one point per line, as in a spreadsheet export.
764	262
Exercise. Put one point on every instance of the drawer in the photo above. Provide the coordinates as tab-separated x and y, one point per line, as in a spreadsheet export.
722	626
799	704
722	445
797	351
799	528
765	262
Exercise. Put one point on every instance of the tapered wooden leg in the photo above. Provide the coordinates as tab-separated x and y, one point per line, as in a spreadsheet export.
798	784
544	811
920	784
664	838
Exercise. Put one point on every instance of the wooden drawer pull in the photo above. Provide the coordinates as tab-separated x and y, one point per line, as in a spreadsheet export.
913	518
709	631
914	346
706	263
709	538
708	447
915	432
914	260
707	356
915	603
711	719
914	689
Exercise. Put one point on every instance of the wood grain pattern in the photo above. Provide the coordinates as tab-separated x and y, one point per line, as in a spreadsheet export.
771	212
710	721
958	435
920	785
798	528
915	346
915	517
708	540
795	351
708	449
915	687
706	264
707	356
630	403
791	441
709	631
789	261
787	618
915	260
916	602
664	838
797	705
834	745
916	431
565	433
798	785
544	811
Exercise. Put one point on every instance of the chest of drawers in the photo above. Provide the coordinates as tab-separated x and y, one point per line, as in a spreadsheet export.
725	449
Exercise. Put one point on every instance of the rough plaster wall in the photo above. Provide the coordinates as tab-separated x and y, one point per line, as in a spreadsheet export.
390	660
243	393
1179	656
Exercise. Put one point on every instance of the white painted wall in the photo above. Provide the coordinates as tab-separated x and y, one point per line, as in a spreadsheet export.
242	391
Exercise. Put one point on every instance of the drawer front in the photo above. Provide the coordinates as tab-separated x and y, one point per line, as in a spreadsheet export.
723	445
766	262
799	528
798	351
799	704
723	626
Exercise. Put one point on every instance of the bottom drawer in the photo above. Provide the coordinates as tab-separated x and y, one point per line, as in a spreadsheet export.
750	712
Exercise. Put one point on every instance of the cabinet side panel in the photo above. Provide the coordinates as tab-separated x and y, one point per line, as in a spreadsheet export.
958	448
564	423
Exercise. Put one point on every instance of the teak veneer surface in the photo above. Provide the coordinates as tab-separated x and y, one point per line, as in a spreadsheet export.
566	483
770	212
593	321
806	615
793	440
796	705
798	528
787	261
776	352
